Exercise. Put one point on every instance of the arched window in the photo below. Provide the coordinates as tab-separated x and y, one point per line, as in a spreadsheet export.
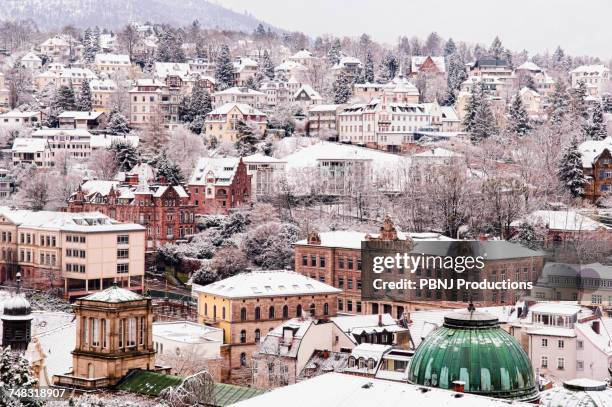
243	361
370	364
312	310
362	363
351	361
326	309
223	313
257	335
285	312
205	309
243	314
271	312
257	313
298	311
214	311
243	336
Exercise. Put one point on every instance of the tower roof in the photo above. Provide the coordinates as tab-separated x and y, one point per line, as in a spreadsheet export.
114	294
17	307
472	348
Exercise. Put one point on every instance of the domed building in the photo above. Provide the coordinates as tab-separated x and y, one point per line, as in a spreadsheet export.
578	393
472	351
16	323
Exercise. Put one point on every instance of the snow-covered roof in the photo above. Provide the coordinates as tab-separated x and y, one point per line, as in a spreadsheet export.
437	152
590	69
244	62
565	220
529	66
350	239
302	54
28	145
346	60
290	66
113	294
558	308
112	59
260	158
551	331
106	140
107	85
345	390
266	284
163	69
66	221
417	61
56	41
186	332
592	149
80	73
15	114
239	90
312	94
324	108
525	90
30	56
77	115
449	114
357	324
222	169
243	107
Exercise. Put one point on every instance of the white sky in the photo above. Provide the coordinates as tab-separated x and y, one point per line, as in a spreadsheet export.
579	26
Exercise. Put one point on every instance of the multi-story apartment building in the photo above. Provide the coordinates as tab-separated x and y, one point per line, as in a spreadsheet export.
244	68
163	210
544	83
242	95
222	122
112	64
45	146
399	90
82	120
387	126
219	185
249	305
4	92
102	92
279	92
595	77
266	173
597	167
323	121
79	253
153	103
491	67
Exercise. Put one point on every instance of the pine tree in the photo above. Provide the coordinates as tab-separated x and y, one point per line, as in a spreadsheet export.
15	374
606	101
88	51
342	88
266	66
570	170
224	70
334	53
559	103
125	154
389	67
528	236
578	106
596	129
560	60
518	119
496	49
368	69
170	48
246	143
450	48
167	170
117	123
84	103
65	99
528	82
194	108
457	74
479	120
472	107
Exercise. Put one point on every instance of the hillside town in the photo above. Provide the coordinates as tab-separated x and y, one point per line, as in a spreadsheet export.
186	214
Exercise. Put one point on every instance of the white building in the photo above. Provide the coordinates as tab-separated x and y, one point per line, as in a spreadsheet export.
111	64
187	339
20	119
244	95
265	174
595	77
31	61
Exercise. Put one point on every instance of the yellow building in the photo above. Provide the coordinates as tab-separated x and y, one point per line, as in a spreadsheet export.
222	122
79	252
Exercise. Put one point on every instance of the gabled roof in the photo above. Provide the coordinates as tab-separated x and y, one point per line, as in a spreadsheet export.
309	91
592	149
591	69
417	61
243	107
222	169
529	66
239	90
30	56
28	145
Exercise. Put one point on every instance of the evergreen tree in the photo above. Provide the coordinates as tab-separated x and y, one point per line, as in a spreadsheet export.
224	69
126	155
88	51
342	88
479	120
596	129
528	82
559	103
266	66
606	101
456	75
518	119
15	374
84	103
433	44
65	99
449	48
260	32
170	48
528	236
496	49
368	68
246	143
578	106
167	170
193	109
471	108
570	170
560	61
117	123
334	53
389	67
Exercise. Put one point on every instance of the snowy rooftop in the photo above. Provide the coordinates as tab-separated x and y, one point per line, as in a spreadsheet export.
163	69
260	158
186	332
417	61
566	220
76	115
592	149
115	59
18	114
28	145
350	239
113	294
239	90
221	169
343	390
312	94
289	66
437	152
324	108
242	107
266	284
30	56
357	324
529	66
590	69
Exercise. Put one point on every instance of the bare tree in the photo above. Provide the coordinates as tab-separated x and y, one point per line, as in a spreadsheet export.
103	163
128	39
197	389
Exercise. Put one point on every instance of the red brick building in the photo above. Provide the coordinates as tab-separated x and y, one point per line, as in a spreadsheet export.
218	185
164	210
597	167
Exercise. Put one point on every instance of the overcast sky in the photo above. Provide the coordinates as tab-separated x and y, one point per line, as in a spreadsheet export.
580	27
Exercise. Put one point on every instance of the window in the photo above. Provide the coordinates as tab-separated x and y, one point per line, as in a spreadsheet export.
561	344
121	332
350	263
358	307
321	261
104	334
285	312
579	344
560	363
271	312
85	338
141	332
131	341
123	239
349	306
243	336
123	253
257	313
544	342
340	282
579	365
257	335
123	268
544	363
313	261
304	260
326	309
243	314
341	262
340	305
298	311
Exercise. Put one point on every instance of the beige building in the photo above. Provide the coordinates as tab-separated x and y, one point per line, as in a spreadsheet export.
111	64
79	252
244	68
102	91
595	77
323	121
222	122
532	102
152	102
241	95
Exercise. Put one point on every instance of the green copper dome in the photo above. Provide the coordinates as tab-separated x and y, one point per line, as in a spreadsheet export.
471	347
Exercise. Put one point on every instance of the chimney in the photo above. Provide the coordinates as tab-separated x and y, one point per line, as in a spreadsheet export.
595	326
459	386
380	320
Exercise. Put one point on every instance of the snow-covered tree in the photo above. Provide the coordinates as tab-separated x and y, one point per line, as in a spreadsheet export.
596	129
269	245
450	48
167	170
169	48
15	375
126	155
204	276
389	67
559	103
342	88
518	119
117	123
84	104
479	120
266	66
496	49
457	74
65	98
560	61
570	170
184	148
335	52
103	163
224	69
194	108
606	102
246	142
578	106
228	261
529	236
35	188
368	68
433	44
